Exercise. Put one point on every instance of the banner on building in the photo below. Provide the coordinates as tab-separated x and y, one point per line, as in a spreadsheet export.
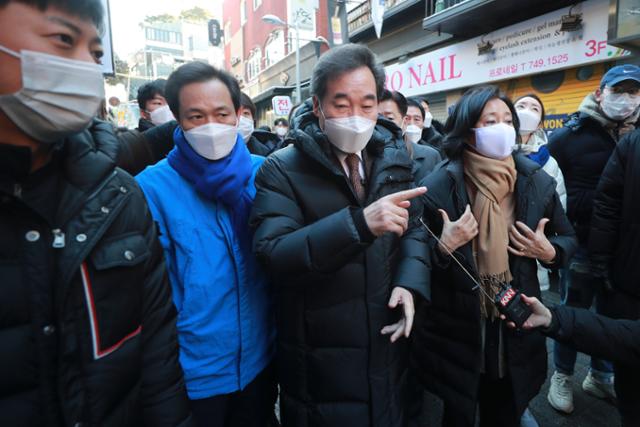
304	12
529	47
108	65
377	15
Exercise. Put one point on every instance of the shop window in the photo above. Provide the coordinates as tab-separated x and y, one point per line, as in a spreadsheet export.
548	82
584	73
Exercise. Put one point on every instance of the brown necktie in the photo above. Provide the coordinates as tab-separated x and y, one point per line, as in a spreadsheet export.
353	164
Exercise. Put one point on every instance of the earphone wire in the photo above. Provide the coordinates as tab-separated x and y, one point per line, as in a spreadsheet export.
477	284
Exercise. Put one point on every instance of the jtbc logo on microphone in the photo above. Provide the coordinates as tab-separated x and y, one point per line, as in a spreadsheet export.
506	298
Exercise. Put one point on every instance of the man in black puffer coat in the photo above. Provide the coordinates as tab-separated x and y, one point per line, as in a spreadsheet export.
615	253
328	232
87	323
582	149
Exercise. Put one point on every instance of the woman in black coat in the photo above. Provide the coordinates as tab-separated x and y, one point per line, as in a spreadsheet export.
498	213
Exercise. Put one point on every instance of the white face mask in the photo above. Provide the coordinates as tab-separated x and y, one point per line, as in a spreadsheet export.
245	128
496	141
619	106
412	133
281	131
161	115
59	96
529	120
212	141
428	118
348	134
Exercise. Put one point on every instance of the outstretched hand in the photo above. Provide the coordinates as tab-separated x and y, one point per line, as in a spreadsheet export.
540	316
400	296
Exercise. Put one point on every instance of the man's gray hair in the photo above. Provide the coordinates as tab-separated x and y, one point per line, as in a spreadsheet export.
341	60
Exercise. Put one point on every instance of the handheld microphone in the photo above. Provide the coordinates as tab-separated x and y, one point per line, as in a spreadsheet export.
508	301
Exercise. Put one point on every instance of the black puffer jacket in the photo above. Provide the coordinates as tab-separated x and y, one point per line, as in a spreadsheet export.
447	343
582	148
263	143
596	335
615	227
334	366
87	327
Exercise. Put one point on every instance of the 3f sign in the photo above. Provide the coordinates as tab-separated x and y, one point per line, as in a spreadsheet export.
594	47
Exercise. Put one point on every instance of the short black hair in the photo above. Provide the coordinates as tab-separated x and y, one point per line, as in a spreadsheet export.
198	72
420	99
467	112
340	60
281	121
148	91
86	9
537	98
414	103
396	97
246	102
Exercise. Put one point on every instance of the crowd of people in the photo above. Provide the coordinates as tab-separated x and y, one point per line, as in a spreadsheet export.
193	271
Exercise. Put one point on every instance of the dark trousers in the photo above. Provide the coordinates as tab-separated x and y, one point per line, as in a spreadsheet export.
496	406
579	288
628	394
251	407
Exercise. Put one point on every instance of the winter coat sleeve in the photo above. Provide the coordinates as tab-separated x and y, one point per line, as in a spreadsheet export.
607	206
553	169
163	393
579	200
560	233
285	243
414	269
599	336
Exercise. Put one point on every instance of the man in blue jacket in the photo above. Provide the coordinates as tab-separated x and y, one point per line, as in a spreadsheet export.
201	196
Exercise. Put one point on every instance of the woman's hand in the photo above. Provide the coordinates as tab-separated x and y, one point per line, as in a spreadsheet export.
457	233
526	243
540	316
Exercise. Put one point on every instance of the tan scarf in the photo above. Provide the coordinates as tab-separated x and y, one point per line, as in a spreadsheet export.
494	181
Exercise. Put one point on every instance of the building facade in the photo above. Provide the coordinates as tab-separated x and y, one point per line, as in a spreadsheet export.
261	55
556	49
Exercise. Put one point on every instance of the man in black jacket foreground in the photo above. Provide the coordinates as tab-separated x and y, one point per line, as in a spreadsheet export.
582	148
87	324
597	335
614	250
334	227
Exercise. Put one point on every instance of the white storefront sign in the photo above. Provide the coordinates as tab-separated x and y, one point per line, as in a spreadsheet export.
530	47
281	105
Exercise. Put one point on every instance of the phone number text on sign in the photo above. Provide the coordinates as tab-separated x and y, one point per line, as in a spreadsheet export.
533	65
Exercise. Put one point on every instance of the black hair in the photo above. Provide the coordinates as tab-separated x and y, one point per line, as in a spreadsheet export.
246	102
265	128
537	98
281	121
148	91
86	9
343	59
414	103
396	97
420	99
198	72
466	113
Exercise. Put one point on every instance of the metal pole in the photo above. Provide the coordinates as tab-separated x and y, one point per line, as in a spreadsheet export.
298	89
